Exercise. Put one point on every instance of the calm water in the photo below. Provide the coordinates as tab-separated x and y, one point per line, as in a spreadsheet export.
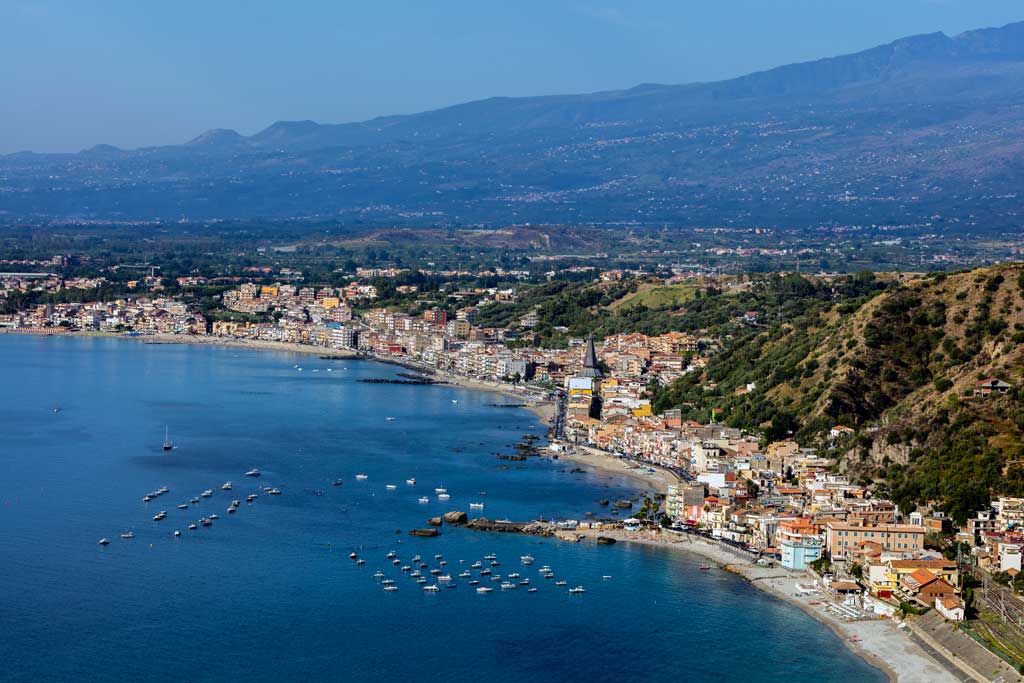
269	592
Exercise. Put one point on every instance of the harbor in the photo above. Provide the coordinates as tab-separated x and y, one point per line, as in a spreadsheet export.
285	558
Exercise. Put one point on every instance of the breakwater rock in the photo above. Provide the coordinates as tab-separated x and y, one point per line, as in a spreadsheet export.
456	517
429	533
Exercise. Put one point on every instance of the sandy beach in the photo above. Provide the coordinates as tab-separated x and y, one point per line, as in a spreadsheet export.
878	641
594	459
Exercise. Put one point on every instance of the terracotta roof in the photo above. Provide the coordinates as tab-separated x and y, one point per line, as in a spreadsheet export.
919	579
951	602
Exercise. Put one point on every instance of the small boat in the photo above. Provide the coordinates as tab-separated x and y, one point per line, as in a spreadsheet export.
167	439
360	562
513	575
406	568
273	492
476	506
205	522
484	589
390	588
526	559
421	581
226	486
159	516
396	562
128	534
561	583
532	590
416	574
485	572
465	575
251	497
524	582
410	482
440	490
435	572
495	563
704	567
443	497
388	419
146	499
177	533
390	487
337	482
232	509
474	582
362	477
183	506
104	541
495	578
235	503
432	588
578	589
192	527
490	557
388	582
214	516
438	557
352	556
253	473
476	565
424	499
508	585
378	575
162	490
207	493
194	500
391	555
445	578
416	558
606	578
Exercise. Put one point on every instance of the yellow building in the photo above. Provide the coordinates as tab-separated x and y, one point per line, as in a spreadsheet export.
271	291
329	302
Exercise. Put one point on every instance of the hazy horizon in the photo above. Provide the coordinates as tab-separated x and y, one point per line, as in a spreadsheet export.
139	76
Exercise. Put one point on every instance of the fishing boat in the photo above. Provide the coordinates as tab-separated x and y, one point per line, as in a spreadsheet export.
253	473
167	439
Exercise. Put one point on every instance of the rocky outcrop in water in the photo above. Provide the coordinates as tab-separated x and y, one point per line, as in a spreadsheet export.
456	517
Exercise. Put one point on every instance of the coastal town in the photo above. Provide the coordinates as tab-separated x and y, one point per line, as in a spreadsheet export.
776	504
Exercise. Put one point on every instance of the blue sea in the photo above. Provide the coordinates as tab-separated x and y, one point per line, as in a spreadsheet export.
269	593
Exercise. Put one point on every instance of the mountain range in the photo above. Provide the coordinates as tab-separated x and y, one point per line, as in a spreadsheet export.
925	131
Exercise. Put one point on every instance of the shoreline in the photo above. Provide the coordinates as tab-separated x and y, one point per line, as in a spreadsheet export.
876	641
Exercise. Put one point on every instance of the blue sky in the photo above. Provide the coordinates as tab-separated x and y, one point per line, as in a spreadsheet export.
135	72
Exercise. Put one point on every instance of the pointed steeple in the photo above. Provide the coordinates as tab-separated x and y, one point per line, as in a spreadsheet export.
590	366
